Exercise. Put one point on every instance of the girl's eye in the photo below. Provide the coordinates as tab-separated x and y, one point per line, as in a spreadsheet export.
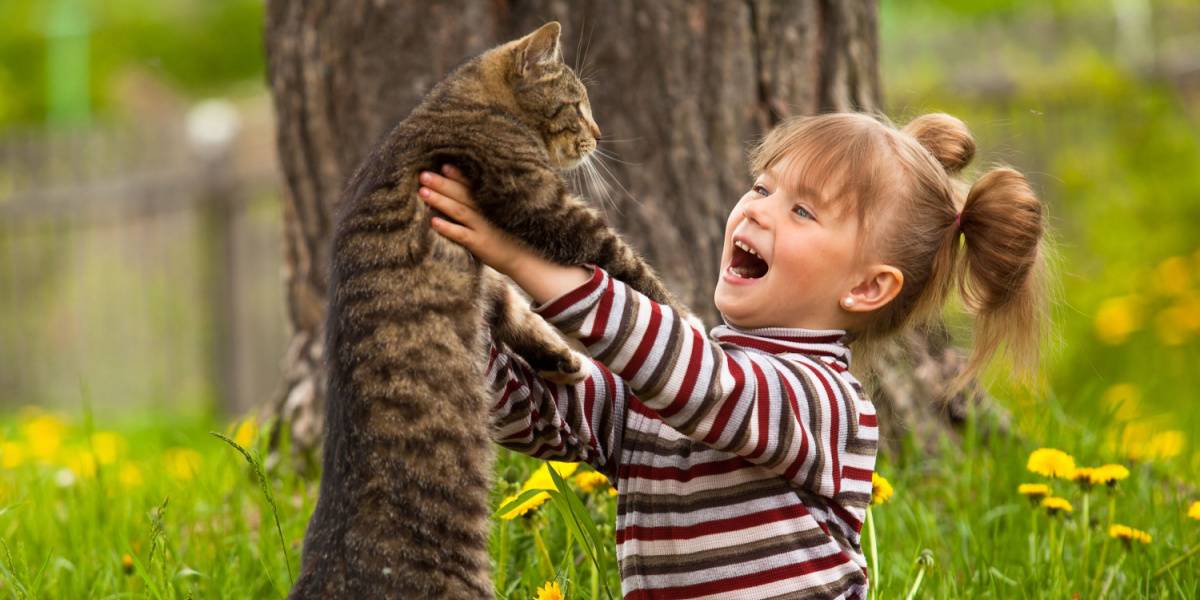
760	189
805	214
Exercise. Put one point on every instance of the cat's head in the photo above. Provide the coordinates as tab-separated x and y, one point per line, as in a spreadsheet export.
549	95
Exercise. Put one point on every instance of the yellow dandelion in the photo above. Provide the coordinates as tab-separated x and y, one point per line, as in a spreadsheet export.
107	446
1124	400
1143	441
612	491
127	564
1054	505
541	479
1170	325
44	436
881	489
589	481
129	475
1109	474
246	432
81	462
1034	491
525	507
12	455
1049	462
1171	276
1116	318
182	464
1083	476
1128	534
1194	511
550	591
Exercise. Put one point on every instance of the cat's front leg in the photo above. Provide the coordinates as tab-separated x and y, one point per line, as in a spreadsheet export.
537	208
528	335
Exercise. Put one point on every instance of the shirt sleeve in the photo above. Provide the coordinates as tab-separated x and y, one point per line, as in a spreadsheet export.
570	423
791	414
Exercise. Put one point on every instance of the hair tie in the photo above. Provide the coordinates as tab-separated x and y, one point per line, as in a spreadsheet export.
958	221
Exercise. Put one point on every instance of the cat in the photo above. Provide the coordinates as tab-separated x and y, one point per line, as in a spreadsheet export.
403	505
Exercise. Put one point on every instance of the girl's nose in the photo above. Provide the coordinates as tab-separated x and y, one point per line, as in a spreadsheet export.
755	213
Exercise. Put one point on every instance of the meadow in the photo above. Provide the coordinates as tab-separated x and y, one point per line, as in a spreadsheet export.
173	509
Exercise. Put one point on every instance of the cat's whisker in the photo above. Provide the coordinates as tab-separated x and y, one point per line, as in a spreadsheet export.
615	179
620	140
601	188
613	157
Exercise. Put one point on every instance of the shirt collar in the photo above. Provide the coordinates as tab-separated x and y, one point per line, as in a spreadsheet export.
826	343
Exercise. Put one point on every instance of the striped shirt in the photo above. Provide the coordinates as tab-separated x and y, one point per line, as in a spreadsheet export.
743	460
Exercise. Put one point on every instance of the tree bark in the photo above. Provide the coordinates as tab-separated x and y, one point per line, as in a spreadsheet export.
680	89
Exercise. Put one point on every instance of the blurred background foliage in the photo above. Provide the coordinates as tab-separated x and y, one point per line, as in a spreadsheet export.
1097	102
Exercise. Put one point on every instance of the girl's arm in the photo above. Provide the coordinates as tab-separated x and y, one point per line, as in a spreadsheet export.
571	423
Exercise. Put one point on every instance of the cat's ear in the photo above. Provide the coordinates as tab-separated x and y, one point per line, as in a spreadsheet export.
540	48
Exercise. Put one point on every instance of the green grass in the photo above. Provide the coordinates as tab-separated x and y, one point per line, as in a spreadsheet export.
199	524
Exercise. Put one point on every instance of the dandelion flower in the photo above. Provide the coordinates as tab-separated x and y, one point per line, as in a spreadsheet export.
1054	505
182	463
881	490
1128	534
129	475
127	564
1049	462
107	446
541	479
1109	474
1172	276
525	507
44	435
589	481
1116	318
1194	511
1034	491
12	455
1083	476
550	591
246	432
612	491
81	462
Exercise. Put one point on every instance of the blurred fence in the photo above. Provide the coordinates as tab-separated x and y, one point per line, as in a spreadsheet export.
139	268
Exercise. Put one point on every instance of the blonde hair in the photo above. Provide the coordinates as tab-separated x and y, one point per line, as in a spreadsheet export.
901	185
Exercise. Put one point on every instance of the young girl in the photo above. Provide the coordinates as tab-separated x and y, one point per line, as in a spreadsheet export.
743	458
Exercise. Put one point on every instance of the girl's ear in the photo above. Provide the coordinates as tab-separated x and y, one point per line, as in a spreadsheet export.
881	285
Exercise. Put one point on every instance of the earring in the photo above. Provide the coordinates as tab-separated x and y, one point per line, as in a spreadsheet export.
848	302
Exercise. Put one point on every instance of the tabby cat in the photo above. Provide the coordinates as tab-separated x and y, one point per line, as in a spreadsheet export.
403	506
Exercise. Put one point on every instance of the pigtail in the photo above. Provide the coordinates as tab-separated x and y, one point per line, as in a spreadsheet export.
1002	272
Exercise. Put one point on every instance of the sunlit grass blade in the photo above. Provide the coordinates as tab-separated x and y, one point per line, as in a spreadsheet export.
266	489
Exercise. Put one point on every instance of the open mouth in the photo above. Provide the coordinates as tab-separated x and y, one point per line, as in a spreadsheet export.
746	263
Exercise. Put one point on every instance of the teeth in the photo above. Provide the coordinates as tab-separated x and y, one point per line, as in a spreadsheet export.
743	246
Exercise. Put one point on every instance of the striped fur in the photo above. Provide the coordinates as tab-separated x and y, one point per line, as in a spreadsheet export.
403	505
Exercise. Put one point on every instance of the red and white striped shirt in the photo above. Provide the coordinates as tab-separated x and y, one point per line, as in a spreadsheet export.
743	461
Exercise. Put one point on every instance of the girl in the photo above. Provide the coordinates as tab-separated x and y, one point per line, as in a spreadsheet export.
743	459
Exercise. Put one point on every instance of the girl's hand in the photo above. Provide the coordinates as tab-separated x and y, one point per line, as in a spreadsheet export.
451	194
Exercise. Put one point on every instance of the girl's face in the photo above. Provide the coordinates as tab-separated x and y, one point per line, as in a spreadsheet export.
787	259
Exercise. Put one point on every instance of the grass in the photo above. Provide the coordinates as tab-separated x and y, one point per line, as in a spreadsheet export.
163	509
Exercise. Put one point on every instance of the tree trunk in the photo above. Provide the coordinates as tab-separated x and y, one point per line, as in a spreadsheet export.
680	88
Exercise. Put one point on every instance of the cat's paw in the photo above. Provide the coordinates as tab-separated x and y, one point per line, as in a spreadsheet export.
567	371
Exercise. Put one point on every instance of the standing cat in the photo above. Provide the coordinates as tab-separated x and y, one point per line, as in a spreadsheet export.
403	506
